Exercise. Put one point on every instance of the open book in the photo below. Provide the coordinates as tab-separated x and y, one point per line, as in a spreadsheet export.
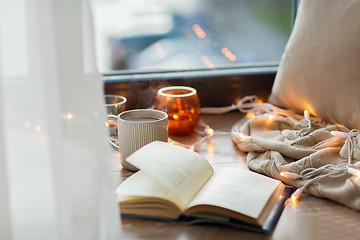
177	184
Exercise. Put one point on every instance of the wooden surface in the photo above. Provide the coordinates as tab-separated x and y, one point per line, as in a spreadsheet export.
310	218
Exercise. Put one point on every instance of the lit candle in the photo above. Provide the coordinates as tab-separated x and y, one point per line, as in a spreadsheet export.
182	106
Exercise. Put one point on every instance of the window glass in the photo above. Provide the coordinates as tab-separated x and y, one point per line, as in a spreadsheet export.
157	35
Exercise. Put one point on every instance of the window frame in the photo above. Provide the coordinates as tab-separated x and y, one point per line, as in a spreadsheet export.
229	84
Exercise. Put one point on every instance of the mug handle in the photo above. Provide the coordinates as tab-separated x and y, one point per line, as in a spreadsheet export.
113	145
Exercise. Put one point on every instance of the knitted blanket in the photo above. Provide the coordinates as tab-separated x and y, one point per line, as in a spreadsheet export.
319	159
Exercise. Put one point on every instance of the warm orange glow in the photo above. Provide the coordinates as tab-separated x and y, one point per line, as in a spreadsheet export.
237	100
182	106
27	124
271	117
295	196
107	124
353	171
294	199
210	131
282	174
259	101
241	136
210	149
309	108
250	115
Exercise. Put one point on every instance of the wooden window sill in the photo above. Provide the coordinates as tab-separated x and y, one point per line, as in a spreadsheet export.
310	218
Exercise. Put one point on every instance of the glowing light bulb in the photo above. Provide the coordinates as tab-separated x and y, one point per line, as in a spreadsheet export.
241	136
307	115
259	101
339	134
107	124
275	117
175	117
293	199
210	131
353	171
295	196
289	175
69	116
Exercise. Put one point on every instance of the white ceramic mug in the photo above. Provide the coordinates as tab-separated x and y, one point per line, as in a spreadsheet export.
136	128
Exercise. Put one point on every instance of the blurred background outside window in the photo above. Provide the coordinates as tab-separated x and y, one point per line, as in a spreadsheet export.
177	35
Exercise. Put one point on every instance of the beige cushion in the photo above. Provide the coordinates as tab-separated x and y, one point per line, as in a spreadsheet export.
320	68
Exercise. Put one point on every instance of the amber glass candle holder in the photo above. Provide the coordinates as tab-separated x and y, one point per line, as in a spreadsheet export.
182	106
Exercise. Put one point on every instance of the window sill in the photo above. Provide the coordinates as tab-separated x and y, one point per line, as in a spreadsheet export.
220	87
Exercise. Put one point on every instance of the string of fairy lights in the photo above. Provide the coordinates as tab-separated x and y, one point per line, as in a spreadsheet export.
255	108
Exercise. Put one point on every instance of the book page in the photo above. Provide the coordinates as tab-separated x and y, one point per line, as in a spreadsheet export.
240	190
181	170
141	184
